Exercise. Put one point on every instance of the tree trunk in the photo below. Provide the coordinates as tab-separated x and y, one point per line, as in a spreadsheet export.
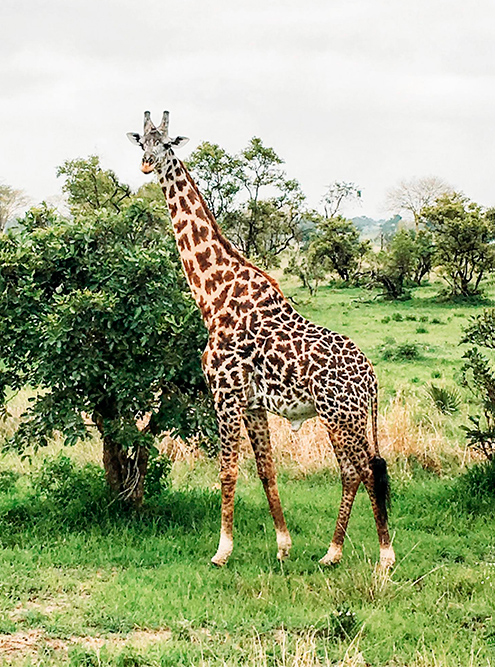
125	471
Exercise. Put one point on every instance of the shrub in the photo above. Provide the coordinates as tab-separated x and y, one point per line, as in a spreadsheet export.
157	477
393	351
479	377
64	483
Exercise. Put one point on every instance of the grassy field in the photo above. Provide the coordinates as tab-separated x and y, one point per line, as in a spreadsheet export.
82	582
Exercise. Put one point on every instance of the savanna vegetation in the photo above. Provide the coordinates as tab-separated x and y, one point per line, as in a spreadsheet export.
99	352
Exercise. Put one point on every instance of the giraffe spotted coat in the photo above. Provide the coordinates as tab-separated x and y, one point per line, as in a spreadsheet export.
264	356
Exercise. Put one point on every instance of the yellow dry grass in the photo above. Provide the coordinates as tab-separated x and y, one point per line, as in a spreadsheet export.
404	432
402	435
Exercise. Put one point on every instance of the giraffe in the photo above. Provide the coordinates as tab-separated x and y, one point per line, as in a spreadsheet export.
263	356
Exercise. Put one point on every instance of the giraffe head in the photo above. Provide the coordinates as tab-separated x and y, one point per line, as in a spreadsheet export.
155	142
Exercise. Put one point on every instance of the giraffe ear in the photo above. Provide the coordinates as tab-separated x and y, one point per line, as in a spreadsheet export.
179	141
135	138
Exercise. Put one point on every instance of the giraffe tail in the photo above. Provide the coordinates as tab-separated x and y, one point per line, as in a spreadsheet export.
374	418
378	464
381	485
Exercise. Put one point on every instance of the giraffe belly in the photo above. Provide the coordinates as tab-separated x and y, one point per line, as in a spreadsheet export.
296	411
292	402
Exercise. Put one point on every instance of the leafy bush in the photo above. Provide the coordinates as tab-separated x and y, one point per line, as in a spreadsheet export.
393	351
157	477
61	480
479	376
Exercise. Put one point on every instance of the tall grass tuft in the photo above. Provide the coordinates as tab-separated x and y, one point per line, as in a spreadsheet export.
444	399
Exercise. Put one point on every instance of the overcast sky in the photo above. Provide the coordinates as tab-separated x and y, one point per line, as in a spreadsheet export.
370	91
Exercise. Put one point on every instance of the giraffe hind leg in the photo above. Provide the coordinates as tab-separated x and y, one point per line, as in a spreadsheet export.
354	454
351	480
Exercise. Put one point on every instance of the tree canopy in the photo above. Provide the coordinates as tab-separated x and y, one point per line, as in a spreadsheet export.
256	205
463	235
96	315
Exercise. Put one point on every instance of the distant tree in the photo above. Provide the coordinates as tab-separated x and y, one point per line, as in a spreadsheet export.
91	188
337	246
96	315
413	195
308	268
257	206
338	193
464	238
218	175
425	257
11	200
388	228
394	267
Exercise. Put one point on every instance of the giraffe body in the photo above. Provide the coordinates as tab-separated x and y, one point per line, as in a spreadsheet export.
264	356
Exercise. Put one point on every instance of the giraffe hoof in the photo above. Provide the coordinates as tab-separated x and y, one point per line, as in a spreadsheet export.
282	554
219	560
284	545
387	559
333	556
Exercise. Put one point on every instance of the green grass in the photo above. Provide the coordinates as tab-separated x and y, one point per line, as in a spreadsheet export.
72	571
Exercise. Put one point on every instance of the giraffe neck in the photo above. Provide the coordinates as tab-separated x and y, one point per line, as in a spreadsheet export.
211	263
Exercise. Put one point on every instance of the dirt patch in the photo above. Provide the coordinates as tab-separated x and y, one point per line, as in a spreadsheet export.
22	644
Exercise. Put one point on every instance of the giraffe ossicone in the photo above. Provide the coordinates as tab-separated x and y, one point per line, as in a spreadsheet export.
264	356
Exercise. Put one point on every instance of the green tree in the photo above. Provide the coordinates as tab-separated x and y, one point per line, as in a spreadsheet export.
425	259
463	235
90	188
308	268
218	176
394	267
256	205
337	246
95	314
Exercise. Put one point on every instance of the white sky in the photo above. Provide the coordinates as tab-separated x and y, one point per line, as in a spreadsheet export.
370	91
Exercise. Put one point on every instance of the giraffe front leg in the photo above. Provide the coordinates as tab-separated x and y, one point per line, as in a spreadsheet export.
257	427
229	422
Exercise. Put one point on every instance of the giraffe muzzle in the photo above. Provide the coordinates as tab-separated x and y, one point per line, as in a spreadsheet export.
147	167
